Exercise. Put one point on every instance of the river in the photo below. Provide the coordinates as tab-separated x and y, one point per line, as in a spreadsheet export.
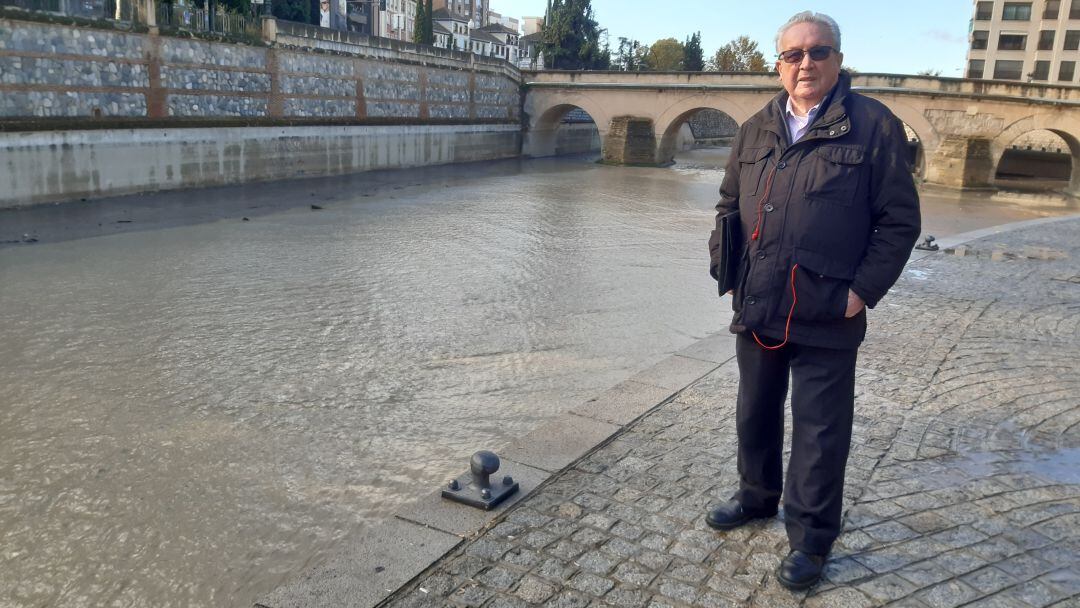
203	392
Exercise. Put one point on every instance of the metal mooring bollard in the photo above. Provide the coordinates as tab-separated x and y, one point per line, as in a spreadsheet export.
927	244
475	488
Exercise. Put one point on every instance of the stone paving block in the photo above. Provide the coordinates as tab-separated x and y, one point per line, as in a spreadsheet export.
717	348
590	584
597	563
623	597
843	597
924	574
845	569
674	373
623	402
886	588
558	443
947	595
676	590
989	580
534	590
368	569
1033	593
461	520
1067	579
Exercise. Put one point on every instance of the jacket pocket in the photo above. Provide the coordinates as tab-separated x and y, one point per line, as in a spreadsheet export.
821	286
752	163
836	174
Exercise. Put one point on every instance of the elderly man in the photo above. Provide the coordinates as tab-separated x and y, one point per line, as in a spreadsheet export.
829	213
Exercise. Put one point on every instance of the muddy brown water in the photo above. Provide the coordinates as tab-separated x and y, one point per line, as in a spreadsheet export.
196	407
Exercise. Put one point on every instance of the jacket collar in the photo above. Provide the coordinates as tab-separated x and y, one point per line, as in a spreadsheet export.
833	112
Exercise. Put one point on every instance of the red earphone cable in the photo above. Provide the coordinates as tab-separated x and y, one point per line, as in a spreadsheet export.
787	326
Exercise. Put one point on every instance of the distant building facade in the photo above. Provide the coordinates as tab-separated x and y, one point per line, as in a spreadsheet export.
398	20
1027	41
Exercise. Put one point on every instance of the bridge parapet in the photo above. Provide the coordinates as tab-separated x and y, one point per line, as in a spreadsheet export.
1005	90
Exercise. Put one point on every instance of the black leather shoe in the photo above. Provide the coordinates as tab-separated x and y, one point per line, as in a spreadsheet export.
731	515
800	570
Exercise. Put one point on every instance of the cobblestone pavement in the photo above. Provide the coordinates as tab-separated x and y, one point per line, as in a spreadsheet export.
963	482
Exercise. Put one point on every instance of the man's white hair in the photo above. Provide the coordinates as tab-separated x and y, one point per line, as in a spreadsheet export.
820	19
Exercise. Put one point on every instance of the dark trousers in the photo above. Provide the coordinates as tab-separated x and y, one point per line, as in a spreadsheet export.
822	407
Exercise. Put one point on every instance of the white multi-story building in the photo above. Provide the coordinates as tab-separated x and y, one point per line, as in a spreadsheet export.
1033	41
453	24
506	45
397	21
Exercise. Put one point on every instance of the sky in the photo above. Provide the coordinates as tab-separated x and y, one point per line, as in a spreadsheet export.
876	35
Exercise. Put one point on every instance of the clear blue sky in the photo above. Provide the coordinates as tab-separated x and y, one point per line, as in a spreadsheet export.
878	36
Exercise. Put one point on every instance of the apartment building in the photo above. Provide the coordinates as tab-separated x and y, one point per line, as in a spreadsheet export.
397	19
1036	41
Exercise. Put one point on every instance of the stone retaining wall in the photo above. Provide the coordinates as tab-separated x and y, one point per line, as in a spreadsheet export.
50	71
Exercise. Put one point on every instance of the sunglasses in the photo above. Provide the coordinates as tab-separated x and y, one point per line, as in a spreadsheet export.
818	53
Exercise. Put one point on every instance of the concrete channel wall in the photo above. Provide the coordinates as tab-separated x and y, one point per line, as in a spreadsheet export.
91	112
44	166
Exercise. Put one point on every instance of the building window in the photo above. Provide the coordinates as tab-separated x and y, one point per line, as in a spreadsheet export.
1042	70
1046	40
984	11
1051	10
1065	72
1018	11
975	68
1008	70
1072	40
979	39
1012	42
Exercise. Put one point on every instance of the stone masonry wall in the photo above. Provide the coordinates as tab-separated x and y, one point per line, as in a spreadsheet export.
57	71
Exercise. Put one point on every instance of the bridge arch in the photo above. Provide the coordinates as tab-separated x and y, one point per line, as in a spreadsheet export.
668	123
545	115
1067	130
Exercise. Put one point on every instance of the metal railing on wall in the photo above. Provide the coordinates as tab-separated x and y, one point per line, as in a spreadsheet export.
198	20
125	11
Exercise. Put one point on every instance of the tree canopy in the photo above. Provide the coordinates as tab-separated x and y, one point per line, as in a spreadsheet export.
693	56
665	55
739	55
571	37
293	10
628	57
419	22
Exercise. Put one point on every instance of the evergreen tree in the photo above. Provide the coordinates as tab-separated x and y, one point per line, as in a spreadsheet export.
429	22
570	39
626	58
693	56
418	23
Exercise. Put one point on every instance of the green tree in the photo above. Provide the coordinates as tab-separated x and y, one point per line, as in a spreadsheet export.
570	39
665	55
626	58
739	55
418	23
693	56
429	22
292	10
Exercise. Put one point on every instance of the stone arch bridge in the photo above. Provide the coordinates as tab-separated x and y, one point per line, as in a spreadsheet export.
964	126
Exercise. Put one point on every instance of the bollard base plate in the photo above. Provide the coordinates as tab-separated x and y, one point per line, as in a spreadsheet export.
468	493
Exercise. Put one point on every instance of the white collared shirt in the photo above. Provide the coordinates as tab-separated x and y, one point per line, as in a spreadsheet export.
796	125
